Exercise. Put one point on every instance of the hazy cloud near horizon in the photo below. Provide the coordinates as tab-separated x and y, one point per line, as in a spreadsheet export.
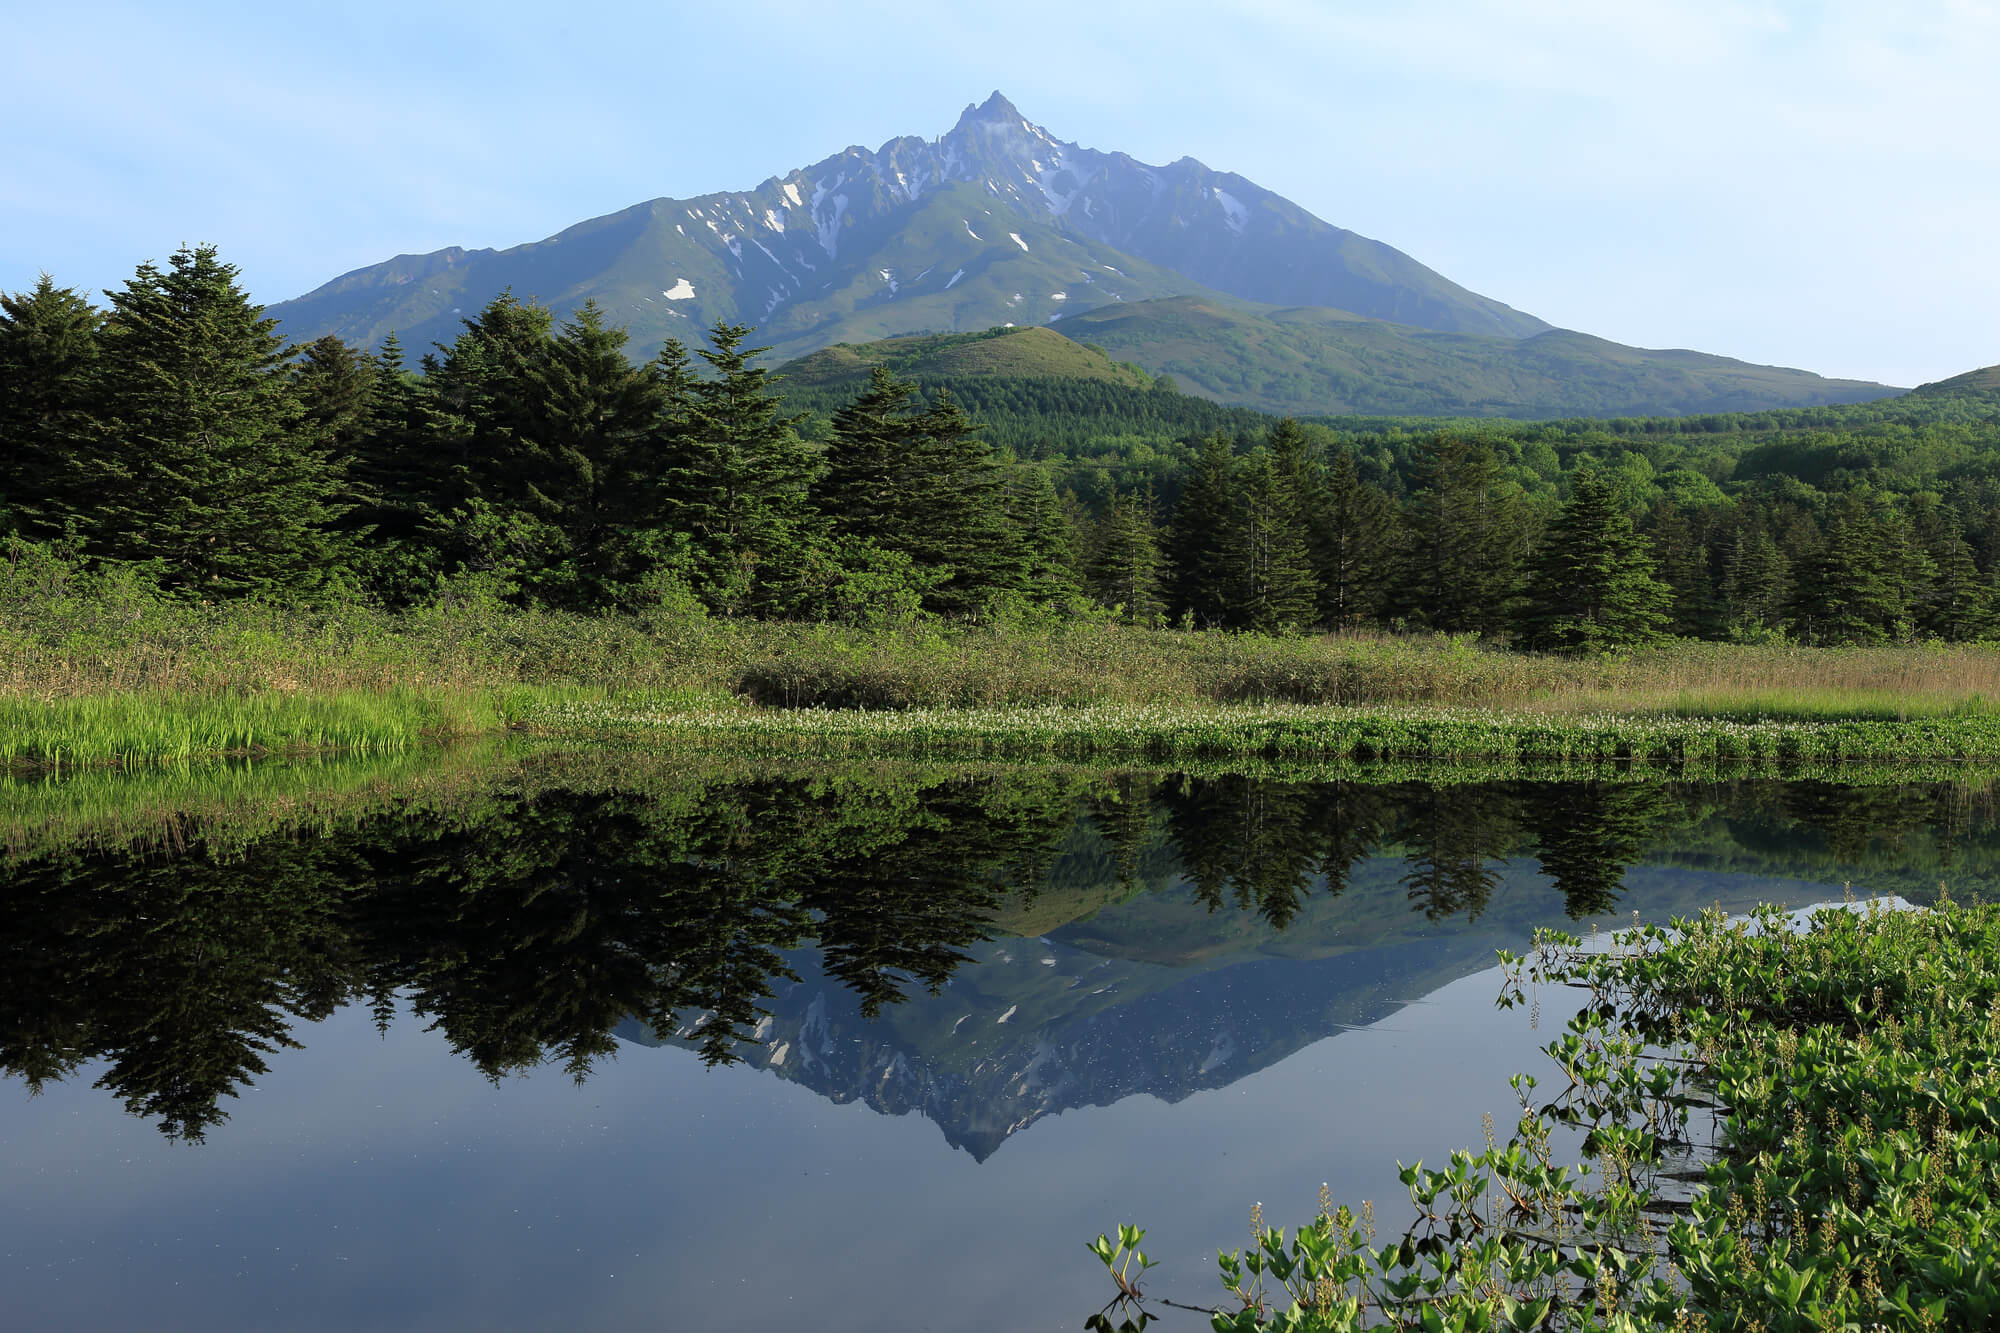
1815	185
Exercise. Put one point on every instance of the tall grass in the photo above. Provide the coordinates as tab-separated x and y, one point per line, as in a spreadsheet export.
96	670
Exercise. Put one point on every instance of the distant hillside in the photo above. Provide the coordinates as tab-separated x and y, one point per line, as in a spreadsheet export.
1331	363
1016	352
1984	380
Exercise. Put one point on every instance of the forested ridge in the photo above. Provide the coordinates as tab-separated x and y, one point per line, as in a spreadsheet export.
172	438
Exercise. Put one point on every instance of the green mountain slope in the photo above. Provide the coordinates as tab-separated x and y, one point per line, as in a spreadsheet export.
1329	362
1022	352
1984	380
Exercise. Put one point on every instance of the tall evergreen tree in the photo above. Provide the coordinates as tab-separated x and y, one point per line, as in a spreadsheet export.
1463	538
1850	590
210	478
1354	547
1049	570
1757	584
1198	581
736	482
48	352
1272	589
1593	587
1124	562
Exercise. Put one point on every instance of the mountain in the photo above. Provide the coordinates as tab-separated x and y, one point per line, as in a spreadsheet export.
1984	380
1023	353
1320	362
999	223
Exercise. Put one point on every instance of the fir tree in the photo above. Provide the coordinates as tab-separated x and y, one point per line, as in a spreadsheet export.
959	524
335	386
867	450
1124	563
1756	585
736	482
210	478
1463	535
1049	573
1354	547
1593	587
1850	590
1198	585
48	353
1272	589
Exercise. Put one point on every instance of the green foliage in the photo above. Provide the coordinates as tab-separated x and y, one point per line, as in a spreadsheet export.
1593	588
1852	1183
205	478
48	351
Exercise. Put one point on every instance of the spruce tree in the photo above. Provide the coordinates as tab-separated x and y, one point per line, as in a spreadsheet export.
587	471
211	480
1049	566
1354	547
959	523
868	448
1272	589
335	386
1756	585
1850	590
48	353
1198	584
1124	563
1463	539
1593	587
736	482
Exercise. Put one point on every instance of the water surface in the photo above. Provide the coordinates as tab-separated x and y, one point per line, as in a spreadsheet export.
634	1046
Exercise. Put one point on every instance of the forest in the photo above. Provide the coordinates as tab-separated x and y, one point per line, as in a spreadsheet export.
175	439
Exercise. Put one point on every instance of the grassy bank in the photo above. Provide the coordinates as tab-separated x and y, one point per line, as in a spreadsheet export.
1851	1181
117	677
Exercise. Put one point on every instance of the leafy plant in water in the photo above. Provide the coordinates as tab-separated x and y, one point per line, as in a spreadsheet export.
1788	1129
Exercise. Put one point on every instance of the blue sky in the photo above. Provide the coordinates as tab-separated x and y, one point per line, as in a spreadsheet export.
1814	185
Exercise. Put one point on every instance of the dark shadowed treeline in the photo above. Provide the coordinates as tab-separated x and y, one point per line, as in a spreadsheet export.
173	436
528	923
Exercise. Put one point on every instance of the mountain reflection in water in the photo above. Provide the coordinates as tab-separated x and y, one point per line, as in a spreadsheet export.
984	946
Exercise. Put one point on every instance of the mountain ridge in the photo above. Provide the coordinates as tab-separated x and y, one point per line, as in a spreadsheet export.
996	223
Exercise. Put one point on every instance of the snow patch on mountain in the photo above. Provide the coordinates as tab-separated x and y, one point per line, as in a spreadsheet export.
969	231
680	291
792	193
889	276
1237	214
773	221
1016	236
954	280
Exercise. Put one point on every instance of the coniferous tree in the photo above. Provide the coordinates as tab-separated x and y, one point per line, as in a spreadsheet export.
1463	538
1049	574
867	450
335	386
1850	590
1354	548
48	353
959	526
1198	582
1124	562
1593	587
736	482
210	479
1756	582
1272	589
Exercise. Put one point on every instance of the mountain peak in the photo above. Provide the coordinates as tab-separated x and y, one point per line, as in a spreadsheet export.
994	108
